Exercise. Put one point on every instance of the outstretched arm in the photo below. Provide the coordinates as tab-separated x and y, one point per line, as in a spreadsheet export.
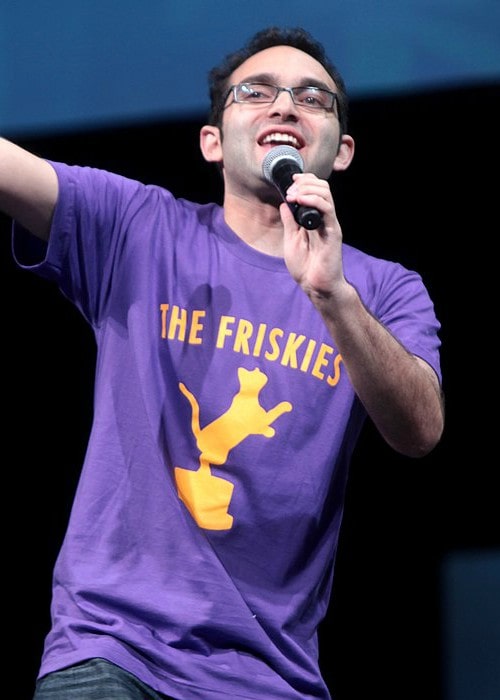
400	392
28	188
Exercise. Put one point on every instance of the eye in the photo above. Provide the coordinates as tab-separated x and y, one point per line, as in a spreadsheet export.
314	97
311	99
256	92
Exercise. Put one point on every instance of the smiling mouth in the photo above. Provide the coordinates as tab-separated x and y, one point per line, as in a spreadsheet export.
277	138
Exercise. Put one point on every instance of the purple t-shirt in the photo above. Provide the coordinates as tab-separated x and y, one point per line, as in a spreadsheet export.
201	544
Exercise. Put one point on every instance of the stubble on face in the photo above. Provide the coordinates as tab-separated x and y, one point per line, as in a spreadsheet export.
242	124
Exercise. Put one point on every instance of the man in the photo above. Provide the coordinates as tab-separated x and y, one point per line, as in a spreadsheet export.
238	355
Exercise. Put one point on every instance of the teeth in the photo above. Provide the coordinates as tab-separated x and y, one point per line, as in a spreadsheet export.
278	137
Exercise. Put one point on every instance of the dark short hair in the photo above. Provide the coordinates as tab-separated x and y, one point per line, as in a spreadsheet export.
298	38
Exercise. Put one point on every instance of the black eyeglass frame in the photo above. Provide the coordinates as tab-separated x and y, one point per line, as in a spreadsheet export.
278	90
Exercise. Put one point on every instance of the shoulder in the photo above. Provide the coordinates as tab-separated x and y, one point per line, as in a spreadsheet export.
385	285
360	265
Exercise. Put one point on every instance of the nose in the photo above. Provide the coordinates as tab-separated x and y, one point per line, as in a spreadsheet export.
283	104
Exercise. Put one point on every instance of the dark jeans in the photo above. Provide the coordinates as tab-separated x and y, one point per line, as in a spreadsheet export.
96	679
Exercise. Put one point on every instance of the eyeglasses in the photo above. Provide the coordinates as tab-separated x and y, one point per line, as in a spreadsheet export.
313	98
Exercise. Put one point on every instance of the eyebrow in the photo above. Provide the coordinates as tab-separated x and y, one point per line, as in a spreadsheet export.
270	78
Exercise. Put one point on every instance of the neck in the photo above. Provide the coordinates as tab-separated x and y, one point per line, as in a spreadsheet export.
257	224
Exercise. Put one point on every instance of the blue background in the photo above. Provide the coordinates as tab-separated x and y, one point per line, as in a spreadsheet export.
67	64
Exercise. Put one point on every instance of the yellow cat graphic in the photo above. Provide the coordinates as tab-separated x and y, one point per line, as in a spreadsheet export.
206	496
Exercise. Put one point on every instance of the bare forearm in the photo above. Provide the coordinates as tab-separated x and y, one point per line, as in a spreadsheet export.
28	188
400	392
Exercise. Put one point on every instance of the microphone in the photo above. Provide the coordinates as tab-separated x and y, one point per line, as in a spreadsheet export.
278	166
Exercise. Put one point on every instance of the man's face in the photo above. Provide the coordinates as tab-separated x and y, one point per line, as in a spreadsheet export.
251	130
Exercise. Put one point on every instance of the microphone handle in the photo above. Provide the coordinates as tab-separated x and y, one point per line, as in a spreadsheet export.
308	217
282	177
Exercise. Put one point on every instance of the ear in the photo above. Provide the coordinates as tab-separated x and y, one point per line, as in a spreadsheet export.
345	153
210	143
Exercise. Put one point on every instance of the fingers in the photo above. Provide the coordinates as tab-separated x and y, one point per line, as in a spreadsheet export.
309	190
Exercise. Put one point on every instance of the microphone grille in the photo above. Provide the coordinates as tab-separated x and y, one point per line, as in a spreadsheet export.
276	154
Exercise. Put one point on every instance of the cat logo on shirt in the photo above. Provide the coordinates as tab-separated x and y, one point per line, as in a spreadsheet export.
206	496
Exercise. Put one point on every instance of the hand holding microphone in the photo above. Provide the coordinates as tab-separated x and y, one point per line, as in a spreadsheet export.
278	167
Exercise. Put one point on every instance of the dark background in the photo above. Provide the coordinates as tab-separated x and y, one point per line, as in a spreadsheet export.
423	189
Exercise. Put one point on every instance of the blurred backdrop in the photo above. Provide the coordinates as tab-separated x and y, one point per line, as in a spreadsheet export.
415	611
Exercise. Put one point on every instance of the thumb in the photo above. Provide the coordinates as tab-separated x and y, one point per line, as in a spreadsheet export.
287	217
